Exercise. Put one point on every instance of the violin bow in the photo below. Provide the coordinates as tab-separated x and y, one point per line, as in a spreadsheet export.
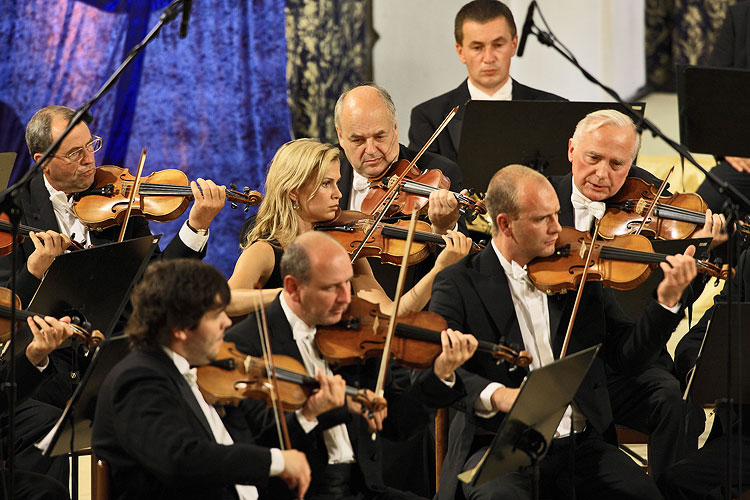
278	410
394	187
136	181
380	384
579	294
652	205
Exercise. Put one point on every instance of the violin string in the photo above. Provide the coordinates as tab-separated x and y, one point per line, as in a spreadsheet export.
627	254
687	215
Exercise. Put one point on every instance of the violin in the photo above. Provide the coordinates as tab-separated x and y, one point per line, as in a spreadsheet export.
623	263
6	239
414	190
161	196
386	242
416	344
80	329
675	217
235	376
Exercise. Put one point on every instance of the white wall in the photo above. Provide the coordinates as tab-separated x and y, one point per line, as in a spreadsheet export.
415	57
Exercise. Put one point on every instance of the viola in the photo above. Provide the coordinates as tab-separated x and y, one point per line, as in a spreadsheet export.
675	217
623	262
361	334
235	376
413	192
161	196
6	239
80	329
387	241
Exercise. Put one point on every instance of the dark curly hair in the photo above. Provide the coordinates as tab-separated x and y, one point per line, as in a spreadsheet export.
174	294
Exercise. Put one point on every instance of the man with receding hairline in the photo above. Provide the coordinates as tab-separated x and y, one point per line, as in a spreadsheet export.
486	40
490	294
345	461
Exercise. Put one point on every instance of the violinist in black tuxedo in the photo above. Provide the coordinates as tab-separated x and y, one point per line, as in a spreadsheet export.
345	459
486	40
154	426
490	295
602	150
46	203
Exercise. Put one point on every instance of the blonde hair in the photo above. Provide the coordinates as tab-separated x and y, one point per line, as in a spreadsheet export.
296	164
602	117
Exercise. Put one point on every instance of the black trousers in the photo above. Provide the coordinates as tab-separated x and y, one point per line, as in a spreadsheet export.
652	403
703	474
601	470
724	171
345	482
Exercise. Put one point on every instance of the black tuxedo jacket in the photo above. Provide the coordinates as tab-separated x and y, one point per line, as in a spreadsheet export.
473	296
37	212
427	117
28	377
151	430
426	162
732	46
407	409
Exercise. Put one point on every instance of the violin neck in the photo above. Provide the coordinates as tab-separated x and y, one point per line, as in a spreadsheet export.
298	378
407	331
414	187
21	314
6	227
679	214
423	236
627	255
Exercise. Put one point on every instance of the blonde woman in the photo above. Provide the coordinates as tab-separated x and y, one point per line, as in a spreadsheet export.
301	190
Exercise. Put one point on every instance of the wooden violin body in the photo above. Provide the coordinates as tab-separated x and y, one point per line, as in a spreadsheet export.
235	376
362	330
6	239
675	217
623	262
161	196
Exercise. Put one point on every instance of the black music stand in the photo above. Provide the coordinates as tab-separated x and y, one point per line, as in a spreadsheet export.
707	384
714	106
94	283
532	133
633	302
526	431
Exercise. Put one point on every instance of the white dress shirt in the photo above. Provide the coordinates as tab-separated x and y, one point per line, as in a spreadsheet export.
504	93
336	438
221	435
360	187
532	313
585	210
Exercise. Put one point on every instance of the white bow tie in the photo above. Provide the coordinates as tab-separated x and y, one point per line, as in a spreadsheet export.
519	273
191	376
360	183
595	208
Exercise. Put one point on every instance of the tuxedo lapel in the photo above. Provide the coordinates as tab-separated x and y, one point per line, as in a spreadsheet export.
280	333
564	191
492	288
37	208
462	97
345	183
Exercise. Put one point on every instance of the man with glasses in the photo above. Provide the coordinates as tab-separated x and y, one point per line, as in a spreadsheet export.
46	203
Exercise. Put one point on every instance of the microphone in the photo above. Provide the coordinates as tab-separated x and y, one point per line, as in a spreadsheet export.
187	6
526	28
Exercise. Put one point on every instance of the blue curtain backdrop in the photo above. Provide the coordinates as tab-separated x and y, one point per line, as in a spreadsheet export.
213	104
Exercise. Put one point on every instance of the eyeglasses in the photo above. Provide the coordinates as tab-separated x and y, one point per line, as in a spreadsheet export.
77	154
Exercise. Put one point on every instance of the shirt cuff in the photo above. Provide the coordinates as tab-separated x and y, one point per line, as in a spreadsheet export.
277	462
483	404
450	383
307	425
41	368
191	239
674	309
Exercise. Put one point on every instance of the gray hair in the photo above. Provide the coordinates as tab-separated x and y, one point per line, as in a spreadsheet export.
602	117
384	95
39	129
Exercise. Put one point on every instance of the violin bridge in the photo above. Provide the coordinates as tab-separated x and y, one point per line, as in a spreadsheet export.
582	251
375	325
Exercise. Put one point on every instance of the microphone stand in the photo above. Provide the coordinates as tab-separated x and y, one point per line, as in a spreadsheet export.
735	206
10	205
